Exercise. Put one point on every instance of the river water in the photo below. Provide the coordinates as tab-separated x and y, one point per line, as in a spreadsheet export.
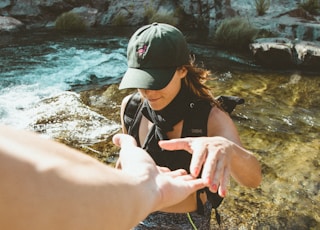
279	122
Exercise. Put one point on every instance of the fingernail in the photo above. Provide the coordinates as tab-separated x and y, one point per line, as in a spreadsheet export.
196	171
214	187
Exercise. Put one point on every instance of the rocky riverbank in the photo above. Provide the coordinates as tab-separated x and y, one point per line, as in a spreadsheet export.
281	20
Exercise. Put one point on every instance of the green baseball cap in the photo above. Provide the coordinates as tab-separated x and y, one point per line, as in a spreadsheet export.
154	53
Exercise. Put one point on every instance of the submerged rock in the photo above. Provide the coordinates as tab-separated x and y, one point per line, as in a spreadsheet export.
67	119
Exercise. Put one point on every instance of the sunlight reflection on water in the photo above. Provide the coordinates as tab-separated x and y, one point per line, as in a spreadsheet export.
280	122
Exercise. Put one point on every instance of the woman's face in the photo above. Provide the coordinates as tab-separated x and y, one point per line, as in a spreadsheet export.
159	99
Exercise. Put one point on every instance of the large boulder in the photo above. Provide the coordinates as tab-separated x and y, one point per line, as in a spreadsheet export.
24	8
285	53
10	24
273	52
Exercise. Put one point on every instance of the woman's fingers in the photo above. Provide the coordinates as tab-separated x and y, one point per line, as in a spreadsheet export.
196	146
214	167
177	144
199	156
224	182
208	154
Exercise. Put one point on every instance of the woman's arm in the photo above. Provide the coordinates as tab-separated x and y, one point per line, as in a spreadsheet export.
47	185
221	155
244	167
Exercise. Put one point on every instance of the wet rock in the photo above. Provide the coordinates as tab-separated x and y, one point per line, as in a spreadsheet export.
285	18
299	13
10	24
284	53
67	119
106	100
22	8
275	52
308	55
89	15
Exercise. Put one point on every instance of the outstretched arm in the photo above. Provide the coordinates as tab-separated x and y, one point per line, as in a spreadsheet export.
47	185
219	158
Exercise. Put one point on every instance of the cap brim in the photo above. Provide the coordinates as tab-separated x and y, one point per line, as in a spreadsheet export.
153	79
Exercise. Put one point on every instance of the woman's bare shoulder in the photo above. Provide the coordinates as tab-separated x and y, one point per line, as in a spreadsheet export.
221	124
218	114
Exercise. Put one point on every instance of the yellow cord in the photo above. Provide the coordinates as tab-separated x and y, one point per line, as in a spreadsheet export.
191	221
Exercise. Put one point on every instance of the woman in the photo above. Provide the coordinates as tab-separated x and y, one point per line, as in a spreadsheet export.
175	103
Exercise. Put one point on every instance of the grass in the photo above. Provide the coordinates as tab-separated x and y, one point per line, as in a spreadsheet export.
152	16
235	33
119	20
262	6
70	22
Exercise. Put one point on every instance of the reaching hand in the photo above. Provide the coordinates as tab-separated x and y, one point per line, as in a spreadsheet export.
211	153
170	187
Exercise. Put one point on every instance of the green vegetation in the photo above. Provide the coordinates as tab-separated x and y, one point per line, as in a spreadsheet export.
148	13
70	22
262	6
235	33
170	18
119	20
312	6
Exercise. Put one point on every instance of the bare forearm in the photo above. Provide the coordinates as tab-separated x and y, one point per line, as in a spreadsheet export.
59	188
245	168
47	185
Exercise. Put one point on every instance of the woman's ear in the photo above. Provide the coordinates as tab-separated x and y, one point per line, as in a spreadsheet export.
182	71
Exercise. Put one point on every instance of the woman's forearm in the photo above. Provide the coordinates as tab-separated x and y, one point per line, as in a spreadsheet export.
245	168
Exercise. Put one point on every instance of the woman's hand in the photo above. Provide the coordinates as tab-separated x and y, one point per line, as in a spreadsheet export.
218	158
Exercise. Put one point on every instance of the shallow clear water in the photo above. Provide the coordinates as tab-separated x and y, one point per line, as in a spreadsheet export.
279	122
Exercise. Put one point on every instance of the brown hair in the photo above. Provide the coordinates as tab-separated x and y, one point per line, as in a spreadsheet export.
195	82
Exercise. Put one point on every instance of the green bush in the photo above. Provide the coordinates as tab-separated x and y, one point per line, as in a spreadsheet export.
262	6
152	16
235	33
70	22
312	6
119	20
148	13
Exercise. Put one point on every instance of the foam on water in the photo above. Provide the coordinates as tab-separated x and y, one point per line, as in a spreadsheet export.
32	73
